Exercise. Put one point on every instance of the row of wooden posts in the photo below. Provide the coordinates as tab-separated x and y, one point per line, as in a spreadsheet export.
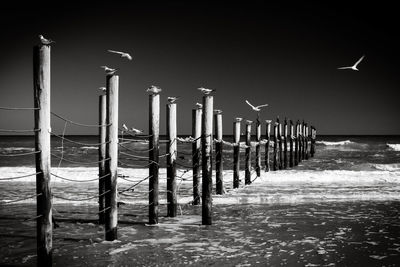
202	144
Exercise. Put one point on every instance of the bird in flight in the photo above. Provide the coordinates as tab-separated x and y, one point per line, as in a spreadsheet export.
122	54
103	89
199	106
154	89
354	67
257	108
108	70
205	90
172	99
45	41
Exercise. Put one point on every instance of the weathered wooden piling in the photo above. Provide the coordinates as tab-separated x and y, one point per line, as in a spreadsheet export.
276	157
306	141
41	86
236	152
219	175
291	160
111	166
303	143
206	151
313	137
267	144
247	173
296	148
285	152
171	160
196	133
258	146
102	154
154	146
280	145
300	142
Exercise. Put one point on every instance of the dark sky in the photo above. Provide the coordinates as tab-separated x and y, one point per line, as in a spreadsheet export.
286	55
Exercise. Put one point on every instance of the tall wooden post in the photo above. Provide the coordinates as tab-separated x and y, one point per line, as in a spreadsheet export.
154	132
291	161
258	146
196	133
303	143
247	178
300	142
236	152
306	140
41	86
206	149
267	144
285	134
102	154
171	160
280	149
276	157
111	166
219	175
296	148
313	137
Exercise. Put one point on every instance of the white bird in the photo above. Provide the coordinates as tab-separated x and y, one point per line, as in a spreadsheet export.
108	70
125	127
268	121
354	67
122	54
257	108
249	122
103	89
45	41
238	119
172	99
199	106
205	90
217	111
136	131
154	89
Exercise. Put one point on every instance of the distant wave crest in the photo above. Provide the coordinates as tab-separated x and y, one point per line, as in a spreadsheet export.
395	147
89	147
338	143
387	167
16	149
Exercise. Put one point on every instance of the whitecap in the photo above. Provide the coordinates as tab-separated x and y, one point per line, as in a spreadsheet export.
395	147
338	143
387	167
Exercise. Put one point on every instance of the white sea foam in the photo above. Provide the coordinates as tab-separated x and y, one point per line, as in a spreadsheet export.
338	143
16	149
89	147
395	147
387	167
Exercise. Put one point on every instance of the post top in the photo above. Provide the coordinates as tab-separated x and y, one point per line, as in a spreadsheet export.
268	121
199	106
248	122
217	111
153	90
238	119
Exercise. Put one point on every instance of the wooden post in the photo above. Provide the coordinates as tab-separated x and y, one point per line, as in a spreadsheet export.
102	154
313	137
236	152
258	146
219	175
247	179
303	143
285	134
275	164
111	166
154	132
267	144
280	161
306	140
296	148
206	151
41	86
300	142
196	133
291	162
171	160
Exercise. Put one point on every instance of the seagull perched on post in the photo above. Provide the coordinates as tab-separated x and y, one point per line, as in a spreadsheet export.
45	41
154	89
238	119
172	99
122	54
205	90
354	67
257	108
125	127
199	106
108	70
217	111
103	89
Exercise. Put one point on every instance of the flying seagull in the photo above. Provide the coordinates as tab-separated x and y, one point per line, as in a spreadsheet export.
109	70
122	54
154	89
172	99
45	41
205	90
257	108
354	67
103	89
199	106
136	131
125	127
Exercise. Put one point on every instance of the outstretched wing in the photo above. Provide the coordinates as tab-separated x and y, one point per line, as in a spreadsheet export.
248	103
115	52
358	62
260	106
344	68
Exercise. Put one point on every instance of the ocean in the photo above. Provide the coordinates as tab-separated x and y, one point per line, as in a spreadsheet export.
341	207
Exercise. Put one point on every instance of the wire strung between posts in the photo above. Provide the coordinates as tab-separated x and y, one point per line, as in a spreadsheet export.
77	162
131	141
79	143
81	199
21	199
20	154
136	184
9	108
34	218
136	150
19	177
134	165
134	135
19	131
79	124
81	181
134	156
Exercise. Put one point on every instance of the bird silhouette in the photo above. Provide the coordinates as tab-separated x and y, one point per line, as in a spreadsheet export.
136	131
103	89
172	99
354	67
199	106
122	54
256	108
45	41
153	89
205	90
108	70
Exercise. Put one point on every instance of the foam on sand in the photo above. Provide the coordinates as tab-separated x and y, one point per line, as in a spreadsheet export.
338	143
395	147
